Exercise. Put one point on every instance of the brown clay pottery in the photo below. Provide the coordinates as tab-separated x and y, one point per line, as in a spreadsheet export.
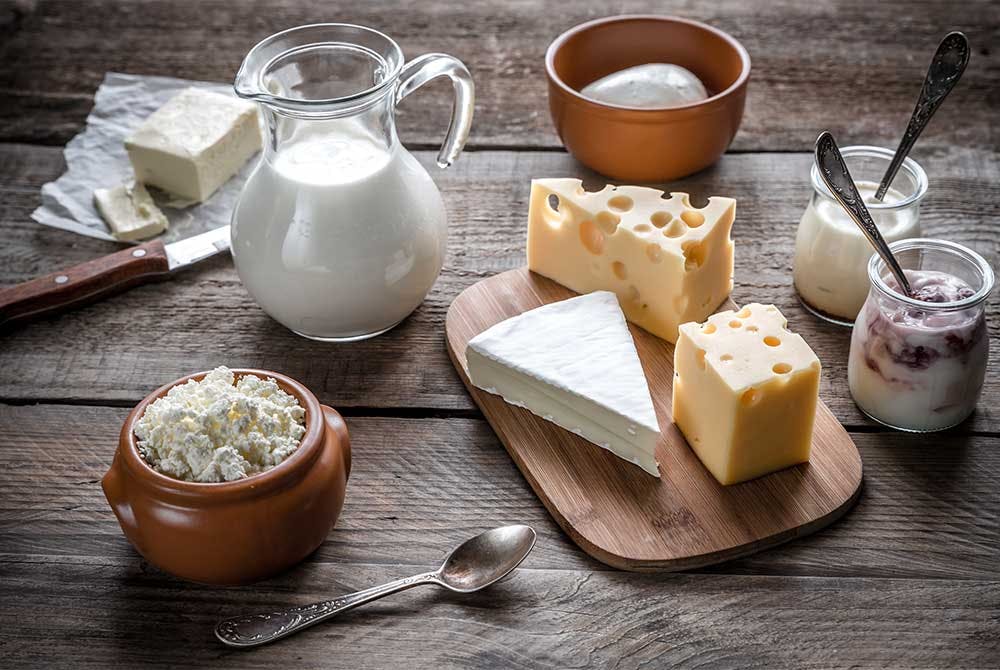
646	145
241	531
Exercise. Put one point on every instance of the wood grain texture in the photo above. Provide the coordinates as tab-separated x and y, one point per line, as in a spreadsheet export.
119	614
616	512
79	285
487	198
831	64
419	486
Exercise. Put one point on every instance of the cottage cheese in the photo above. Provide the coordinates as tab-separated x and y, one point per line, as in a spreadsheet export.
215	430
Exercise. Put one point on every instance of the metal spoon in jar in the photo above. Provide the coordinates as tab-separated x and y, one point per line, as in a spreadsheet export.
473	565
834	173
946	69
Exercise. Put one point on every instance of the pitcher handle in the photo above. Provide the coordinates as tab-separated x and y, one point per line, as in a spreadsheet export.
421	70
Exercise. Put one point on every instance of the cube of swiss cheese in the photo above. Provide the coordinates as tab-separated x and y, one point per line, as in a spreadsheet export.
745	392
667	261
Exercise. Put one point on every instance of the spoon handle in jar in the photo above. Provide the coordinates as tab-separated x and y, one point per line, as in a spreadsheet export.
253	630
834	173
950	60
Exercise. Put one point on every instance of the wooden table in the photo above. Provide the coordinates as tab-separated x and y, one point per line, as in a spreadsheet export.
910	578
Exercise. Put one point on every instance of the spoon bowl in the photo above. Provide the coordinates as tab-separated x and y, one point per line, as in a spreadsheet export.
486	558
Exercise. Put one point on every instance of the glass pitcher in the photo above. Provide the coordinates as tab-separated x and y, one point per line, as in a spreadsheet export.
339	232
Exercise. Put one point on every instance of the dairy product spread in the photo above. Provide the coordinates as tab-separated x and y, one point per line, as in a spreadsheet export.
130	212
668	261
653	85
220	429
193	144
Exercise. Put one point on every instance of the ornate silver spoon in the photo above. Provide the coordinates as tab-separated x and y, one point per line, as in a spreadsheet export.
834	173
946	69
473	565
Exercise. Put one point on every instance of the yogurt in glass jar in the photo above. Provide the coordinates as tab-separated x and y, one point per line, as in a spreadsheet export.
831	253
918	363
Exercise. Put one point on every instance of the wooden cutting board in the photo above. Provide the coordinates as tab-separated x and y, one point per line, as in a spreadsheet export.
616	512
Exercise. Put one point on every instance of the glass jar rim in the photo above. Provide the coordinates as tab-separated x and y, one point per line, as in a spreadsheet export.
876	265
249	82
909	166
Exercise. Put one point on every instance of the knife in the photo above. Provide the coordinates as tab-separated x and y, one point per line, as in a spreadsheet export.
101	277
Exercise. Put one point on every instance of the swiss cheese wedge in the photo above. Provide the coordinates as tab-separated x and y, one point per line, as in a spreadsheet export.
667	261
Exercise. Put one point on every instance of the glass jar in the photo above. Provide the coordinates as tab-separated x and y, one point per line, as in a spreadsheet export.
831	253
918	363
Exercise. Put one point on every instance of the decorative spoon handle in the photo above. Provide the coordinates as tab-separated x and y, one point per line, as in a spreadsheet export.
834	173
946	69
253	630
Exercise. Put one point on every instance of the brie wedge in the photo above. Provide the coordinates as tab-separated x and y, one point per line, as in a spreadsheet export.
573	363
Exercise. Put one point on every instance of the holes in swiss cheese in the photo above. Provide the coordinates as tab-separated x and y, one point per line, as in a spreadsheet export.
620	203
699	357
781	368
591	237
725	358
708	328
744	313
675	229
660	219
642	228
608	222
771	341
654	252
694	255
735	323
553	202
619	269
749	397
692	218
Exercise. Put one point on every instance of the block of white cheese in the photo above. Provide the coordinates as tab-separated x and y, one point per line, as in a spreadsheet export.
573	363
195	143
130	212
745	392
667	261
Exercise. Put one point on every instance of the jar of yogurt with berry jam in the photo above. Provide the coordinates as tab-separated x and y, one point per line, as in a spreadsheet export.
831	253
918	363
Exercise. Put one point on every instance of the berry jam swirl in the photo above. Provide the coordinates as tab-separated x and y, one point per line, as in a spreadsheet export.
915	368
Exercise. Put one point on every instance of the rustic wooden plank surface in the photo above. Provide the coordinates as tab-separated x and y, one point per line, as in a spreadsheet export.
910	578
426	484
852	65
486	194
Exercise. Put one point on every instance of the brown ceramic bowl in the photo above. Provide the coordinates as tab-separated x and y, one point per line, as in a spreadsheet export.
234	532
642	145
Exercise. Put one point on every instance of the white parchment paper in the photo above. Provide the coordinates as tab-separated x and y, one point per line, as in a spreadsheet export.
96	158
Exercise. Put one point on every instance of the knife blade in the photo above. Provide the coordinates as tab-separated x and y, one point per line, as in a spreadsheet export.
101	277
183	253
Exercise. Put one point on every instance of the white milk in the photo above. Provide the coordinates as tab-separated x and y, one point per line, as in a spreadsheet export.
831	252
338	237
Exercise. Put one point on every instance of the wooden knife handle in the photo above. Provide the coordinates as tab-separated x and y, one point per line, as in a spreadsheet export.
84	283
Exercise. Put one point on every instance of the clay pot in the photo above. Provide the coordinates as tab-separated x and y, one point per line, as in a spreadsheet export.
646	145
241	531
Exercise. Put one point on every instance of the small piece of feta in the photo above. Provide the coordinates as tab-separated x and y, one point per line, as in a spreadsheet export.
195	143
130	212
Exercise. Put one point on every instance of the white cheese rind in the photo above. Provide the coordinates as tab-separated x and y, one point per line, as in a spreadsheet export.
668	262
130	212
573	363
195	143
